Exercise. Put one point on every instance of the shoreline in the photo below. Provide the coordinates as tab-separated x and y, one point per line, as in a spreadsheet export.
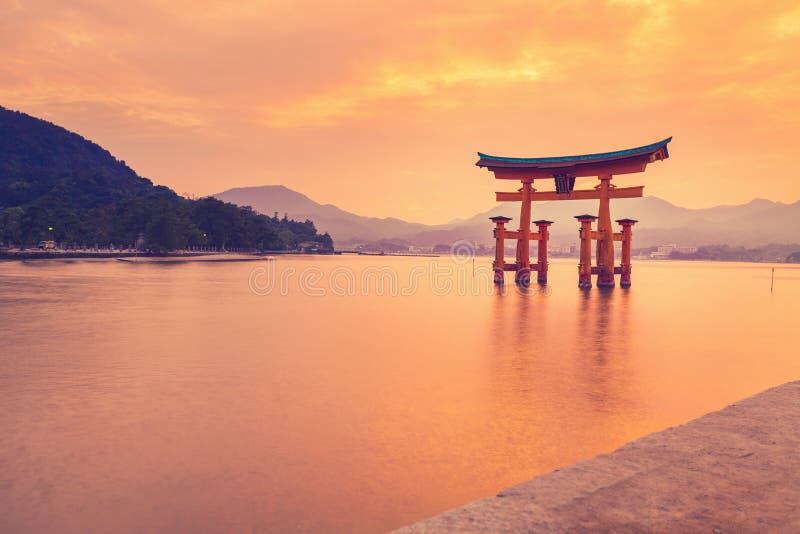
733	470
86	254
92	254
99	254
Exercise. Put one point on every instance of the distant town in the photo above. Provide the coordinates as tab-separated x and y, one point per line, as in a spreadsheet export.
773	253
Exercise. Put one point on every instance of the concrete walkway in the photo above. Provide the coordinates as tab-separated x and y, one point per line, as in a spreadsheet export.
735	470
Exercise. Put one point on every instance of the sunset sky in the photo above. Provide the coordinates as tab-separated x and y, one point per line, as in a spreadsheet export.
380	107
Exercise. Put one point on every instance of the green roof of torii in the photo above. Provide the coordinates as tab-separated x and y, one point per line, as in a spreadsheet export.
491	161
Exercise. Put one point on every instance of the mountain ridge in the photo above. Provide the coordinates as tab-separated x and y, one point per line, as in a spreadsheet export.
755	222
351	227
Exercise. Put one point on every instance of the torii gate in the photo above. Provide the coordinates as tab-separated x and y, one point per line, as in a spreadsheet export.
564	170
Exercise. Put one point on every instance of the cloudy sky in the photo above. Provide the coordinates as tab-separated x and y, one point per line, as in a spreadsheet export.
379	107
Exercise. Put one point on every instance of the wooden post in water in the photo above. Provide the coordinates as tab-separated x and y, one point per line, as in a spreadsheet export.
523	275
499	264
541	261
625	263
605	239
585	265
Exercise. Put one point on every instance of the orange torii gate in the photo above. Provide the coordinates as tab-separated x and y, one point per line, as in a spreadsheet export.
564	170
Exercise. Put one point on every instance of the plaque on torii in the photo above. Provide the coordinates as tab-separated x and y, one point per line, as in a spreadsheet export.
563	170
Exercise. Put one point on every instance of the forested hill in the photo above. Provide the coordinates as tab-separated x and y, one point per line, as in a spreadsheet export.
53	178
38	158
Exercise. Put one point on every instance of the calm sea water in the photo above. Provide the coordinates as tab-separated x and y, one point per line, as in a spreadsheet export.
349	393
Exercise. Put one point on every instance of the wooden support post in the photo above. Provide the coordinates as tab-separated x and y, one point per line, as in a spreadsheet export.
605	242
523	275
625	264
578	194
541	263
585	265
499	264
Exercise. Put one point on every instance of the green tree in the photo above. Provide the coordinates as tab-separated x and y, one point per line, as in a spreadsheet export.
11	225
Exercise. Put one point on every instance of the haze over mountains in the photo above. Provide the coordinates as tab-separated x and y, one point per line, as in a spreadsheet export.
755	223
54	184
344	227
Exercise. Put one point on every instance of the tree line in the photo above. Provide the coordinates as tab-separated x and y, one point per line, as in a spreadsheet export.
171	223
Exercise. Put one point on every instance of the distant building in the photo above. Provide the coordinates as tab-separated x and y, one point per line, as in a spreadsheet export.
563	250
308	246
665	251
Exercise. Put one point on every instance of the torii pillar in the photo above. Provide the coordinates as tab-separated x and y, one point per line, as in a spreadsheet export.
499	265
605	235
585	264
625	263
523	274
541	261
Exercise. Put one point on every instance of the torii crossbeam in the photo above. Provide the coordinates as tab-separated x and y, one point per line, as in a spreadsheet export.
564	170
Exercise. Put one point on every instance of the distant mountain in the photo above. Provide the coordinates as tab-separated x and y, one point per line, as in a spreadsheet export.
343	226
757	222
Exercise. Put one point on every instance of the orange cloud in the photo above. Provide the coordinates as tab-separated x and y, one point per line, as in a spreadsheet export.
438	85
380	107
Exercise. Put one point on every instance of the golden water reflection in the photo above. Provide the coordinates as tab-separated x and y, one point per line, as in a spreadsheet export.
174	398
